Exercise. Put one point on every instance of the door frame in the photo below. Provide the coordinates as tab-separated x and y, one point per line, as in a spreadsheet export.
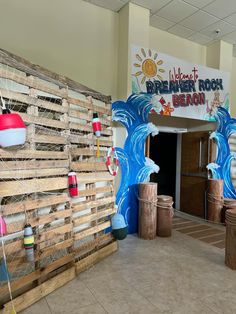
179	131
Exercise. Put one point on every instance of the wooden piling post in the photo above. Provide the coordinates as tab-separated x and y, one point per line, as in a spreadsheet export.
215	199
230	248
164	215
147	210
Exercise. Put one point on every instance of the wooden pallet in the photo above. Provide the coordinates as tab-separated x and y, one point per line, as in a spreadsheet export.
70	234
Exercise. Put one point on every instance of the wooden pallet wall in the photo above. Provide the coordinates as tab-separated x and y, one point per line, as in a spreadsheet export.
69	233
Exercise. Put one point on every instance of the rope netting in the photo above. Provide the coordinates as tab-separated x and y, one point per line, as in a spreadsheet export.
21	167
33	177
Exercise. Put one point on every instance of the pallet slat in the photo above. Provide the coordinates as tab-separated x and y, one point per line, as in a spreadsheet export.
32	154
32	164
85	233
30	204
94	203
11	188
35	173
88	166
91	217
44	219
41	291
31	82
32	101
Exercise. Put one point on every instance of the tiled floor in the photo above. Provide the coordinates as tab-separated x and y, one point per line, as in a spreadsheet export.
180	275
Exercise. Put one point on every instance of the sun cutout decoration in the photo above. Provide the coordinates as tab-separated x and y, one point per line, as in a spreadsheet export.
148	66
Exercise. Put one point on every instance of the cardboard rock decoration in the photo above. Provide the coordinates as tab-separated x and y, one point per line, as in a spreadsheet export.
119	227
12	129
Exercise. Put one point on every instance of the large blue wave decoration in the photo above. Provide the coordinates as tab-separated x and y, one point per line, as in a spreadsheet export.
220	169
135	167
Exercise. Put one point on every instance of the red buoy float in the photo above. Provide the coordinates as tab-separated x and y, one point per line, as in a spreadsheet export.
12	129
96	125
73	185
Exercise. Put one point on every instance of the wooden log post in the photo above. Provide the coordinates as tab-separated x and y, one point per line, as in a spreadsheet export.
164	215
147	211
230	248
215	199
229	203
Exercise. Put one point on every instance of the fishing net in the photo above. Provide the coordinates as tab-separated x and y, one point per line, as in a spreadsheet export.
33	179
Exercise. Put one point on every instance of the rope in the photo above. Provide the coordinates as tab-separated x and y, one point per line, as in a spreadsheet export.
7	274
98	147
215	199
3	101
155	203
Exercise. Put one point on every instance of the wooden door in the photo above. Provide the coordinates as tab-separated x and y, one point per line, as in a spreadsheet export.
196	154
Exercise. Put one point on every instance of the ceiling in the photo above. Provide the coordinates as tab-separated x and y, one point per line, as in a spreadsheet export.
201	21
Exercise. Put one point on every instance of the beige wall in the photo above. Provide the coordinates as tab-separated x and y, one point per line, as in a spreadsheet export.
176	46
233	88
84	42
73	38
213	55
133	29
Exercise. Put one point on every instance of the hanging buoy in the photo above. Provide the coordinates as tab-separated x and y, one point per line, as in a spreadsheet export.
3	226
96	125
73	185
119	227
12	129
13	311
112	162
29	242
4	273
97	131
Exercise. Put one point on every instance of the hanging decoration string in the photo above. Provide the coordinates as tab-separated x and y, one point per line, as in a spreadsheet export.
13	311
2	101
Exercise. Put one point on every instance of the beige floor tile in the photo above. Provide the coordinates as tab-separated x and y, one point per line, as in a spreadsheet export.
176	275
194	307
70	298
223	302
118	296
38	308
91	309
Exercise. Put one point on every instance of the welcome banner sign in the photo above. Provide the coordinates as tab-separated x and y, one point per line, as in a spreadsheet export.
179	88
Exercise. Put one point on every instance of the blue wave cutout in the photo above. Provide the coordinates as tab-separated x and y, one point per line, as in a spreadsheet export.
135	167
220	169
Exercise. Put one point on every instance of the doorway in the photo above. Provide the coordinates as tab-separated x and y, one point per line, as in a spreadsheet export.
163	150
197	152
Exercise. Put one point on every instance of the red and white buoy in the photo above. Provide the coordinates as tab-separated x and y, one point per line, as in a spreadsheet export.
97	130
12	129
73	185
96	125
